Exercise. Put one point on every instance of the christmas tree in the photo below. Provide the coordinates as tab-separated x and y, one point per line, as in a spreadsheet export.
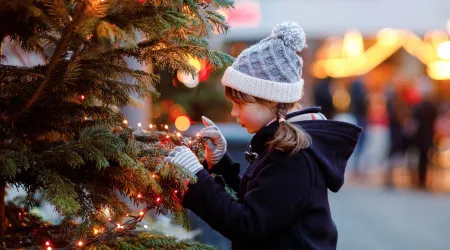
62	136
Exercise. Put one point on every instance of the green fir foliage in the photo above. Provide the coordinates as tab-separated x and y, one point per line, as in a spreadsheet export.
61	133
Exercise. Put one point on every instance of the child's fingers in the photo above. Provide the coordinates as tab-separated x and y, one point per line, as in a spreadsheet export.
207	122
208	144
179	149
208	129
209	134
168	159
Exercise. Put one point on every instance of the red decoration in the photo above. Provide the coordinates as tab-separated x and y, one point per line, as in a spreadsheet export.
204	72
82	97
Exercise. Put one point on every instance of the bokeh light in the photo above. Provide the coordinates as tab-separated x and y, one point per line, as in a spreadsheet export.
182	123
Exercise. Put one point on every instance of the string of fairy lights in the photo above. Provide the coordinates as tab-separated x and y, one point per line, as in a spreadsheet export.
115	228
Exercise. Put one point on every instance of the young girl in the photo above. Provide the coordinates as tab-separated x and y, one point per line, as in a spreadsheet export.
295	155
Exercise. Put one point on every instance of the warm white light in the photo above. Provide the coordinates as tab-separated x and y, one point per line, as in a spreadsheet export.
443	50
439	70
195	63
388	37
353	43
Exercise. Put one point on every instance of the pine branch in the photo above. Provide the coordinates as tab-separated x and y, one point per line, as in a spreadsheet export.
56	57
223	3
57	11
8	72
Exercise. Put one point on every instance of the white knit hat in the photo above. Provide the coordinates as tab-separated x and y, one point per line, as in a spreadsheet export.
271	69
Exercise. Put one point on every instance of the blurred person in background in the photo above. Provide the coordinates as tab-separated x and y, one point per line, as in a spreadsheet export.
323	97
359	109
401	126
425	114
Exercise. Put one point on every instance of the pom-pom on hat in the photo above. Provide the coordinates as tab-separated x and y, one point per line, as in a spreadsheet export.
271	69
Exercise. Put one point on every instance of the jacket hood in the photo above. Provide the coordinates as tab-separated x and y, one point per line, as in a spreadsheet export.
333	142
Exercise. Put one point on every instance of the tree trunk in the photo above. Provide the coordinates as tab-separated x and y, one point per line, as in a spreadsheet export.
2	209
2	189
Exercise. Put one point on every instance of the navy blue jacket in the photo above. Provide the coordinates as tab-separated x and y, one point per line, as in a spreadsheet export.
283	200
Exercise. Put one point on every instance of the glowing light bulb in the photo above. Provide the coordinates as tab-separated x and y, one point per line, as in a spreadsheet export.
139	125
145	226
125	122
80	243
141	213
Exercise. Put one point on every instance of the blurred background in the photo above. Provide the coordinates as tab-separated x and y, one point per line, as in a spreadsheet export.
381	64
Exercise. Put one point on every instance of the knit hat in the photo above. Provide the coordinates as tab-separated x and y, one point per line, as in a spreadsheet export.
271	69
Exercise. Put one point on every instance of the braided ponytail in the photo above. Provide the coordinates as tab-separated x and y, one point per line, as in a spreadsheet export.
288	138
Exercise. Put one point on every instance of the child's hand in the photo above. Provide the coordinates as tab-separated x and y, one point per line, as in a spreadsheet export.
184	157
216	146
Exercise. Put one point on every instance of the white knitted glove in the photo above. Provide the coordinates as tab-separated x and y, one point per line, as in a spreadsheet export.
184	157
215	143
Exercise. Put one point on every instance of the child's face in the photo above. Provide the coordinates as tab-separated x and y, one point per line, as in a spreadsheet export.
252	116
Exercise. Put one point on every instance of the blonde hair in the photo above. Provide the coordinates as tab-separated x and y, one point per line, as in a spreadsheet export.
288	137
